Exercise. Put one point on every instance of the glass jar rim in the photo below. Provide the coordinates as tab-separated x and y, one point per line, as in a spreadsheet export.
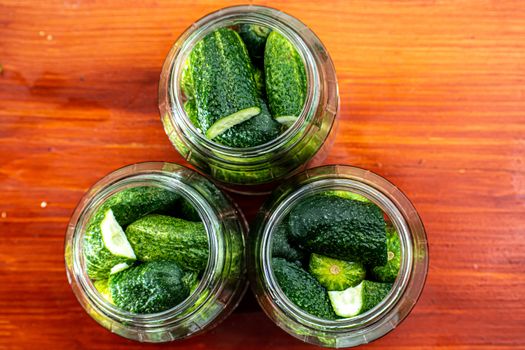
379	319
103	190
228	16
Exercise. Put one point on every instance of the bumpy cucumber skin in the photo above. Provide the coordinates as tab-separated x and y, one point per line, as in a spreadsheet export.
285	77
254	36
281	247
350	273
303	289
388	272
258	75
373	293
222	76
186	81
149	287
160	237
191	111
127	206
102	287
340	228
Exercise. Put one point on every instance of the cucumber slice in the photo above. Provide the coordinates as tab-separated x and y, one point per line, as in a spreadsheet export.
356	300
114	237
223	124
286	120
334	274
119	267
347	303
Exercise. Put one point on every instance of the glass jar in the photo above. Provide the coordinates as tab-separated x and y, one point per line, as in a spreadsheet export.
223	282
365	327
254	170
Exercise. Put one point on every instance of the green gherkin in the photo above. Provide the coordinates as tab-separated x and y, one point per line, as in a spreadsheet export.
254	36
334	274
388	272
160	237
149	288
285	75
302	289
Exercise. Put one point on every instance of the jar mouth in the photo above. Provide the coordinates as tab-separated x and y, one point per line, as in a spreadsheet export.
405	290
230	16
105	189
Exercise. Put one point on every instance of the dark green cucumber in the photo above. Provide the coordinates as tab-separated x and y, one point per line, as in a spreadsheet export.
285	76
340	228
255	131
281	247
149	287
254	37
127	206
160	237
188	211
302	289
388	272
223	80
258	75
335	274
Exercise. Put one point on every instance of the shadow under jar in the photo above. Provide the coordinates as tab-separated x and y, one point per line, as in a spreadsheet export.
405	290
254	170
222	283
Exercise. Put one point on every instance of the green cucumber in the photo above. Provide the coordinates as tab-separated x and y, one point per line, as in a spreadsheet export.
186	81
253	132
149	287
223	81
254	36
188	211
357	300
191	111
334	274
126	206
281	247
388	272
285	75
258	75
340	228
161	237
302	289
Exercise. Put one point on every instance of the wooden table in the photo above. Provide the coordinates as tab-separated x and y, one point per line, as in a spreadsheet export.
433	96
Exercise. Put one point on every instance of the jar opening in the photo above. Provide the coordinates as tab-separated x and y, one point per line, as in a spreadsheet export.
397	220
209	278
229	17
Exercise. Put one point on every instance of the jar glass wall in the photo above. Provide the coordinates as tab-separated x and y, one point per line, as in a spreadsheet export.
223	281
254	169
391	310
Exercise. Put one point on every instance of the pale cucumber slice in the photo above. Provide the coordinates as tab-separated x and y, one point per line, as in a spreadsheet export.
114	237
349	302
286	120
119	267
223	124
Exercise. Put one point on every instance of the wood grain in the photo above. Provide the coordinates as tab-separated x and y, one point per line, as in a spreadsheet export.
433	96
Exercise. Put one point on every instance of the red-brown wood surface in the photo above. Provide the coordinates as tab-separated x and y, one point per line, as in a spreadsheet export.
433	98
